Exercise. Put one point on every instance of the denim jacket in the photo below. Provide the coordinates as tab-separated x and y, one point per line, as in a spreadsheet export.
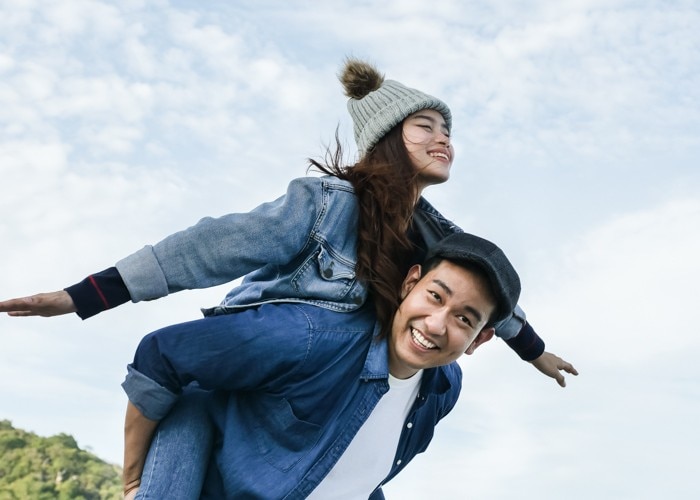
298	248
287	414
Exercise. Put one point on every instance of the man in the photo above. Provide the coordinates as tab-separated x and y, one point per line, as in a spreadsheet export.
312	408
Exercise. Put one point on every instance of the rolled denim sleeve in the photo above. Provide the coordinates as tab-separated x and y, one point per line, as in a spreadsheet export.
143	275
153	400
511	326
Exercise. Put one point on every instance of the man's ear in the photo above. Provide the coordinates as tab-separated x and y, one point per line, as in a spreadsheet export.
483	336
412	278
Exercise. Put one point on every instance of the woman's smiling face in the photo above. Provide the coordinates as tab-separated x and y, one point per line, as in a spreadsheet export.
427	140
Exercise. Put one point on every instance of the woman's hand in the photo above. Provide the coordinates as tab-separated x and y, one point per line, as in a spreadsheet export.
41	304
552	366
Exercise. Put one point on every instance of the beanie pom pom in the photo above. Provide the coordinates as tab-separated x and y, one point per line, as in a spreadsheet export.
359	78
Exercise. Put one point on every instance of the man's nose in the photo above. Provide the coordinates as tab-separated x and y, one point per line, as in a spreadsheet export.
436	323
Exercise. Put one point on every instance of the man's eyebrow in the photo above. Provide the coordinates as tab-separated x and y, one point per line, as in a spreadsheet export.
443	285
448	291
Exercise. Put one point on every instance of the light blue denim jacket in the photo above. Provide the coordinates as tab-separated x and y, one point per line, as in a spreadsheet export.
298	248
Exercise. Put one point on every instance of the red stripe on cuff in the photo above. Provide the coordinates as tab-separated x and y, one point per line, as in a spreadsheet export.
99	292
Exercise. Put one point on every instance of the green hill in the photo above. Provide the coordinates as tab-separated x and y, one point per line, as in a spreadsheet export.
42	468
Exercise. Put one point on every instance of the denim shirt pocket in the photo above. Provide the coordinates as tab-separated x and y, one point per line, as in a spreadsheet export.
329	276
282	439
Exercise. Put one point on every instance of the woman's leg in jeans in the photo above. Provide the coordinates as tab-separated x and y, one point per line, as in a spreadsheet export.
179	456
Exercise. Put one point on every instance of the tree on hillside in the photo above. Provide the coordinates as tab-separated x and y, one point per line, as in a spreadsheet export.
47	468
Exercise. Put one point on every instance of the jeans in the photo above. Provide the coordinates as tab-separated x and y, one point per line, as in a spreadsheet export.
180	452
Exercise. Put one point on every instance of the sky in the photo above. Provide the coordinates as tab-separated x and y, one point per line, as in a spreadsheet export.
577	138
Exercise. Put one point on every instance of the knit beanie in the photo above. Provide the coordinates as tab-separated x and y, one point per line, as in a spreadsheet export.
377	105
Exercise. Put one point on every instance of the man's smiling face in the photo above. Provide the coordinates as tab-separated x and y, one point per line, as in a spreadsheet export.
442	315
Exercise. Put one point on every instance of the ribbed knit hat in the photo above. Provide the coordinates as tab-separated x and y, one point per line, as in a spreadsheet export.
377	105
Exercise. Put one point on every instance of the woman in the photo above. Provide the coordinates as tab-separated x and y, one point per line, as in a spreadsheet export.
334	241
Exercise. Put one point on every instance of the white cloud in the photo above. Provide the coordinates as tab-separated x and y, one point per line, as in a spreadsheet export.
633	282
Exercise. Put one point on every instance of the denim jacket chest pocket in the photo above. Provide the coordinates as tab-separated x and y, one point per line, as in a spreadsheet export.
281	437
326	274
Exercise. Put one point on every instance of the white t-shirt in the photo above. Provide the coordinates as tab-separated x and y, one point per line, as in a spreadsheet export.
368	458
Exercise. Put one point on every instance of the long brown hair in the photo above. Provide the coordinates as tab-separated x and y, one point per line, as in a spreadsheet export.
385	185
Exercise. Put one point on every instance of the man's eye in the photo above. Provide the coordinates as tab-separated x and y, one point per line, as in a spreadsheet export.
465	320
435	296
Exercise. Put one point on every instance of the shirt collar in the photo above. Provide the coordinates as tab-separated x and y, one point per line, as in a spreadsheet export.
435	380
377	360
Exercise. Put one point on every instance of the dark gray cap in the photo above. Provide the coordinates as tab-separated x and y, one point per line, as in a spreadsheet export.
464	247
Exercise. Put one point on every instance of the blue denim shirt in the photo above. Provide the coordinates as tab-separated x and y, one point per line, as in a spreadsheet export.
292	403
298	248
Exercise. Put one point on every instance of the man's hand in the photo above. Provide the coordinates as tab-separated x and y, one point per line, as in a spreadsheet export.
552	366
41	304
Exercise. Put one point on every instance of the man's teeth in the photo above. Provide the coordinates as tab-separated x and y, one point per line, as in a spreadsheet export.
422	340
441	155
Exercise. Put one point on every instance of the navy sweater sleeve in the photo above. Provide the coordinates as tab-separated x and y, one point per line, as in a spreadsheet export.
527	343
99	292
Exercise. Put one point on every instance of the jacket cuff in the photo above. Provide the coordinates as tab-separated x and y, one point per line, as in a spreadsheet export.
99	292
152	400
527	344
